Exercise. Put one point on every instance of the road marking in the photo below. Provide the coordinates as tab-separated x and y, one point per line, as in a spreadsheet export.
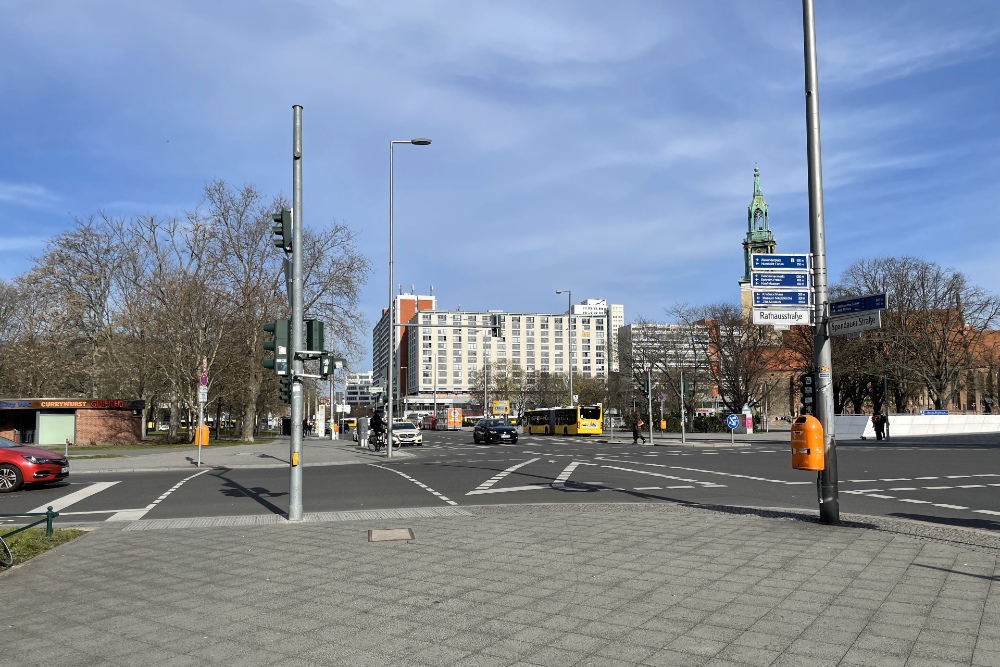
951	507
658	474
496	478
135	515
910	500
987	512
875	495
73	498
417	482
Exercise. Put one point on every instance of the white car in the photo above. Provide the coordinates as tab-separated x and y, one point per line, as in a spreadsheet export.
406	433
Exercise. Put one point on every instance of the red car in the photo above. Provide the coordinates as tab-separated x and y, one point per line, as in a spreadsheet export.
24	464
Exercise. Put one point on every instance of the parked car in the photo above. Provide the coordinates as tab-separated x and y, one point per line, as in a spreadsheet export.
406	433
493	430
24	464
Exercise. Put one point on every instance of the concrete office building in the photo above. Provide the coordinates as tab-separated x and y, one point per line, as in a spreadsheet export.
357	391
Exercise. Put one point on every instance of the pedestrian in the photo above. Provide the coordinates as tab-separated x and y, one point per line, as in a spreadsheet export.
879	422
636	425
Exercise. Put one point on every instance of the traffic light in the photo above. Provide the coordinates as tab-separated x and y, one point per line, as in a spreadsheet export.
688	386
314	335
807	391
280	331
644	384
285	392
283	229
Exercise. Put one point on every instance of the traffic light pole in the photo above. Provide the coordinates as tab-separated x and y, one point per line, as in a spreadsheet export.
295	481
829	503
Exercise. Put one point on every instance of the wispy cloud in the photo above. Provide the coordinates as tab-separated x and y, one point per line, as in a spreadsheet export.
26	194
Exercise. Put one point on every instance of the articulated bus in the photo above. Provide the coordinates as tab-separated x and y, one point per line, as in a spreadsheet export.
576	420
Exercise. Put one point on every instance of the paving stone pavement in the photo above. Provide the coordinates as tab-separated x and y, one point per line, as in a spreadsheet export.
554	585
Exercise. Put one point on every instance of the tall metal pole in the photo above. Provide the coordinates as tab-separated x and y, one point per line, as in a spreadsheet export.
649	400
829	503
569	338
392	318
683	435
295	481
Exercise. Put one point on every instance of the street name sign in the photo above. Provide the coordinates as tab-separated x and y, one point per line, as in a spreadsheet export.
779	279
934	412
781	317
855	305
785	262
855	323
782	298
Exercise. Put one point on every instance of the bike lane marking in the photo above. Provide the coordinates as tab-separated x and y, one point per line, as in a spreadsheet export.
417	482
73	498
136	514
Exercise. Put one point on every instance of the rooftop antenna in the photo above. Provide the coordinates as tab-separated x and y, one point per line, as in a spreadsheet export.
432	290
413	290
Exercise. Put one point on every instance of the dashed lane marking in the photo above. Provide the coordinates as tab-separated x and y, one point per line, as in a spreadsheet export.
415	481
135	515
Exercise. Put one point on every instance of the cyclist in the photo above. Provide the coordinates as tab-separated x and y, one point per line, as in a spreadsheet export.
378	426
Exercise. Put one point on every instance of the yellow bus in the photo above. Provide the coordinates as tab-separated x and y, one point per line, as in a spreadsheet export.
576	420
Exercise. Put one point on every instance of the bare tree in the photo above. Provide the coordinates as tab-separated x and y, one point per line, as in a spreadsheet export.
933	329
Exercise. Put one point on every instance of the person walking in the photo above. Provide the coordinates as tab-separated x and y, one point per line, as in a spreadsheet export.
636	434
879	422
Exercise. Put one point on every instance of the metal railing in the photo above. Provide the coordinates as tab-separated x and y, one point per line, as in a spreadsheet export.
48	514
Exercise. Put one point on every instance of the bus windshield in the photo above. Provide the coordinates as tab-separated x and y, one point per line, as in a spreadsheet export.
590	412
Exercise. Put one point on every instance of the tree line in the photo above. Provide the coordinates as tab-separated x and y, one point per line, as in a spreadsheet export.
130	306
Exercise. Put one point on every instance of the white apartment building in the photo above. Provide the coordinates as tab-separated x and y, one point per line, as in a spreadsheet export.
357	391
447	349
614	314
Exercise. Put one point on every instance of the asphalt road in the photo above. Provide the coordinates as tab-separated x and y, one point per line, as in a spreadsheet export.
953	484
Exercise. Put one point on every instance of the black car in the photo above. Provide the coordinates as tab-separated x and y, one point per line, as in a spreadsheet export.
493	430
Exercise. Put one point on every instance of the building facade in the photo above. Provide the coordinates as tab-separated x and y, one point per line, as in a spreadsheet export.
357	390
404	306
446	350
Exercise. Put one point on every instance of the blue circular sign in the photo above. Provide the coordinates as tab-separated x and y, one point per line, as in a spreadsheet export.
733	421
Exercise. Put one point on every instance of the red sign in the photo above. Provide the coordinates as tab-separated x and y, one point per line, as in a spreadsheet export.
204	380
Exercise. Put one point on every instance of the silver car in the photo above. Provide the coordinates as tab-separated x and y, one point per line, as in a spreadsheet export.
406	433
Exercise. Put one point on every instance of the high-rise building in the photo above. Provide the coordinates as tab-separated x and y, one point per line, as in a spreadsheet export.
645	346
614	314
446	350
404	306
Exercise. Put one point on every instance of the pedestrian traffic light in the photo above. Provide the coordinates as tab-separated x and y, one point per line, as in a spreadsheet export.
314	335
283	229
285	392
807	393
278	345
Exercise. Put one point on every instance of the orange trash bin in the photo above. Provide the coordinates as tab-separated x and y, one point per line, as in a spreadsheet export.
807	443
201	435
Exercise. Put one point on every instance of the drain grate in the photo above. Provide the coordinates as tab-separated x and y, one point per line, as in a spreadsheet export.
390	534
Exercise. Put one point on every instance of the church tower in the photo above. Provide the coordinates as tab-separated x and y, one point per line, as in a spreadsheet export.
758	240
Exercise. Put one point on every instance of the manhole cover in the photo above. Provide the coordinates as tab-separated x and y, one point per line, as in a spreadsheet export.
389	534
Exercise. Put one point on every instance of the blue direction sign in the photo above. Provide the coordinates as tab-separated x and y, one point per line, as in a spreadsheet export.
781	298
857	304
779	261
779	279
733	421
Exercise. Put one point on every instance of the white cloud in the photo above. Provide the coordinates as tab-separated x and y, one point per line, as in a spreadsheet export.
26	194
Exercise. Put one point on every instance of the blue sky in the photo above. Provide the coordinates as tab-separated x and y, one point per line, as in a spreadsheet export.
607	148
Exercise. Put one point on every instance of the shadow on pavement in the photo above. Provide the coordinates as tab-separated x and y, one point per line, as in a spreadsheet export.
234	489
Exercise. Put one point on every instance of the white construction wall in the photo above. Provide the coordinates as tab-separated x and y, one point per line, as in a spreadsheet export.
854	426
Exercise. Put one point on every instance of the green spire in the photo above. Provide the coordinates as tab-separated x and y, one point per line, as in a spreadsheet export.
759	238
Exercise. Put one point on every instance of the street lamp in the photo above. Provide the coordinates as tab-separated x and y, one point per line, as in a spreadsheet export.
392	306
569	337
